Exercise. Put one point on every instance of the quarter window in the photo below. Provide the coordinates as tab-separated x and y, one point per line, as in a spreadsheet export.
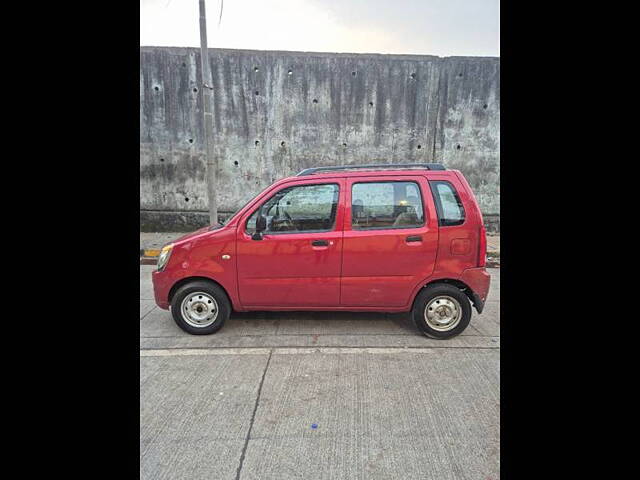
304	208
448	204
380	205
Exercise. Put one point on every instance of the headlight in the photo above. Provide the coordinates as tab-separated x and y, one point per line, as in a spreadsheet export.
163	259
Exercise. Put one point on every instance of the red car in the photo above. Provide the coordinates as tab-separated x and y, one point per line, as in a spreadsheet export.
380	238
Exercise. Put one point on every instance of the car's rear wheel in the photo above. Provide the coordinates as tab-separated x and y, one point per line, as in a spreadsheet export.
200	307
441	311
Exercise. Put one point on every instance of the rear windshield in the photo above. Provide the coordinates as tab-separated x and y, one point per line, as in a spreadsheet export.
450	208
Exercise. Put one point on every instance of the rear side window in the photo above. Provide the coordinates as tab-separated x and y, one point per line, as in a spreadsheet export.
380	205
448	204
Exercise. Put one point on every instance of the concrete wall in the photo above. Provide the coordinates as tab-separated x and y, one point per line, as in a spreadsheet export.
276	113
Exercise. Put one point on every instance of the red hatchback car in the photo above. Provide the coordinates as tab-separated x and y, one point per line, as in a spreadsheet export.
383	238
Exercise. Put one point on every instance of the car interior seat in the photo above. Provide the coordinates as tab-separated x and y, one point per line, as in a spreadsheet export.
410	215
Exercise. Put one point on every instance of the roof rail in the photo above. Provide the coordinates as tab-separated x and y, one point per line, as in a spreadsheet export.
396	166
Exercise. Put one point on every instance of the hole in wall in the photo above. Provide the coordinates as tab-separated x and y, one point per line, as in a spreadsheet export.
257	92
186	199
282	144
191	140
289	72
195	90
413	76
458	147
257	142
315	100
162	159
371	104
156	88
353	74
485	106
344	144
235	163
256	69
419	147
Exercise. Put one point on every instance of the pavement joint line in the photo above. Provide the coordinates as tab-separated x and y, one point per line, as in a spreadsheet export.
361	350
253	417
286	350
186	352
147	314
321	335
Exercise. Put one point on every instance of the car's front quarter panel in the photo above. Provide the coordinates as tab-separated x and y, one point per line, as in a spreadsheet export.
200	256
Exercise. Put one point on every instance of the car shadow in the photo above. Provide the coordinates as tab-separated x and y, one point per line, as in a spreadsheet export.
333	322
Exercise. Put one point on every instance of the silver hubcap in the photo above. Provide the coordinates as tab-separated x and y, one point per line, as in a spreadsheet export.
199	309
443	313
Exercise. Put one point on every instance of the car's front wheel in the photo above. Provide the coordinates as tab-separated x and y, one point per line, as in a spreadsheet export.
200	307
441	311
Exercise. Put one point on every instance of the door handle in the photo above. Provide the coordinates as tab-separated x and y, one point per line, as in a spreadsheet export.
320	243
414	238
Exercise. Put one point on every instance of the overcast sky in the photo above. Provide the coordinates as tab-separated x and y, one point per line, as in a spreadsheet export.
435	27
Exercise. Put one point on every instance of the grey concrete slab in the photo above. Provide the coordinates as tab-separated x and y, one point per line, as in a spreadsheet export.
389	403
387	416
195	413
146	306
304	329
354	340
160	323
146	286
494	294
488	323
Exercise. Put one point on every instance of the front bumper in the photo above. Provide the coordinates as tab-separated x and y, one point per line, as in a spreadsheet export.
161	286
478	280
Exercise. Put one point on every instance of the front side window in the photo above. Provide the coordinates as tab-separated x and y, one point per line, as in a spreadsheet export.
448	204
304	208
380	205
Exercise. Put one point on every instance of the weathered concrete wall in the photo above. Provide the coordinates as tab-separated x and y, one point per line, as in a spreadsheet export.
276	113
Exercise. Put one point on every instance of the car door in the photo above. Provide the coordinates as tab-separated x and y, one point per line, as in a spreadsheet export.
297	261
390	239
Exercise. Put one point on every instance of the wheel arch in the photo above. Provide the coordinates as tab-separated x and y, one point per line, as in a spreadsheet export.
185	280
466	289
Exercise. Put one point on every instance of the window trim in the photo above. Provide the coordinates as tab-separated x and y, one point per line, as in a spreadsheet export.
266	232
391	227
442	222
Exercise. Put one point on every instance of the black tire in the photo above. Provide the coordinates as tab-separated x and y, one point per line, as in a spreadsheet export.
431	293
210	288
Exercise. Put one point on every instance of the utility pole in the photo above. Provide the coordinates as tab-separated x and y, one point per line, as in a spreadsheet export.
207	89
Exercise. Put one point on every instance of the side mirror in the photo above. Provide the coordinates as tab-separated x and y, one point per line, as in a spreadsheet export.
261	226
261	223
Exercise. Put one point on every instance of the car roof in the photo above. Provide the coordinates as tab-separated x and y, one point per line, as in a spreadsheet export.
362	172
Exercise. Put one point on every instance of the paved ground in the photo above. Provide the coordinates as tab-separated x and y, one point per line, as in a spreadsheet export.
387	402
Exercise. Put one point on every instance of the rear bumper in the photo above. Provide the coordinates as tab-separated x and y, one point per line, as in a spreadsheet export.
479	281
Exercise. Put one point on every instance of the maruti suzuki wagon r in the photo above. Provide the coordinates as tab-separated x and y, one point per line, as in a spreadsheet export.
380	238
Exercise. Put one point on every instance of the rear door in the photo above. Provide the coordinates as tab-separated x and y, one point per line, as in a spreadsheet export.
390	239
297	261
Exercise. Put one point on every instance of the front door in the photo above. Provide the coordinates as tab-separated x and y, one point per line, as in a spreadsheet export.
296	263
390	240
